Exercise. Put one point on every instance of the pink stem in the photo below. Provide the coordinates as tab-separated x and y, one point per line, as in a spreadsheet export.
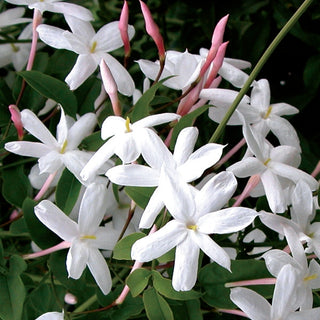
254	282
135	266
316	170
236	312
60	246
251	184
45	186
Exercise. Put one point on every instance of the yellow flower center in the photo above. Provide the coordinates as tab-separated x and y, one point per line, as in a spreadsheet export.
267	161
267	114
311	277
192	227
93	47
64	146
88	236
128	125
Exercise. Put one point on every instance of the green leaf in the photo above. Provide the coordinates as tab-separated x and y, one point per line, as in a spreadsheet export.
138	280
213	278
52	88
186	121
40	234
311	72
164	287
92	142
157	308
187	310
16	186
141	108
122	249
12	290
67	191
140	195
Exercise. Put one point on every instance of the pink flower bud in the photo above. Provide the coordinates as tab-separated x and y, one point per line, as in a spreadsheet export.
153	30
110	87
16	119
123	27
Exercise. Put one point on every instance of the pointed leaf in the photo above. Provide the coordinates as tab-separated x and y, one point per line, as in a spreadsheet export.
122	249
140	195
138	280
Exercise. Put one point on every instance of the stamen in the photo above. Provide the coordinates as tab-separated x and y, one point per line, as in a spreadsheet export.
93	47
267	161
64	146
128	125
268	112
311	277
192	227
90	237
14	48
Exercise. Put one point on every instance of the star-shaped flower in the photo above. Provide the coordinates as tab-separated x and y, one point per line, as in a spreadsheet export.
187	165
126	139
197	214
55	153
13	16
86	237
91	48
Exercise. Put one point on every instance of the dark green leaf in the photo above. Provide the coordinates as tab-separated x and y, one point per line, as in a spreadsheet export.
140	195
122	250
187	310
92	142
157	308
16	186
164	287
138	280
52	88
67	191
213	278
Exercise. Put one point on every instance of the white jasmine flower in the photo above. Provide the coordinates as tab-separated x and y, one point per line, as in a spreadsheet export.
307	275
284	300
13	16
86	236
188	166
56	6
126	139
196	215
55	153
257	110
51	316
275	166
91	47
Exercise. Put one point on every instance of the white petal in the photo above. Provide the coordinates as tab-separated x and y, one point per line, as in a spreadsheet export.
98	159
100	270
62	128
106	237
156	244
127	149
226	220
184	145
92	208
113	125
274	192
286	154
260	95
81	129
81	28
77	259
53	37
28	149
216	192
305	314
134	175
155	120
81	71
35	126
247	167
233	75
281	109
185	265
200	160
155	205
54	219
251	303
294	174
177	195
284	297
211	249
50	162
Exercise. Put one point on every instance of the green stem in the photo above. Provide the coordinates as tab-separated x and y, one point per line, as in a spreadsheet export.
286	28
